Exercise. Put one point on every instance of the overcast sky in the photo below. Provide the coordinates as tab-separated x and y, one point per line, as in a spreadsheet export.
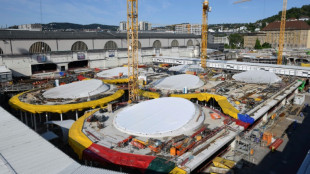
15	12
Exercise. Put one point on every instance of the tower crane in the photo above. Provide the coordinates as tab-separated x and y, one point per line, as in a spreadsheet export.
237	2
282	29
132	43
204	32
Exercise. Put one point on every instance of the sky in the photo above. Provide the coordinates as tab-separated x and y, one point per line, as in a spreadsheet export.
159	12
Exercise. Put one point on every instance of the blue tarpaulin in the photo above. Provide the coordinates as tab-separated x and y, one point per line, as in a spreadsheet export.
246	118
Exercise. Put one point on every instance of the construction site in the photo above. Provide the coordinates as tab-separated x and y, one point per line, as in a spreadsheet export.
163	113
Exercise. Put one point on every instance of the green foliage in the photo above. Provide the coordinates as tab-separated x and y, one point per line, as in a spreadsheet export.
226	46
291	13
251	27
235	41
263	25
308	22
257	45
266	45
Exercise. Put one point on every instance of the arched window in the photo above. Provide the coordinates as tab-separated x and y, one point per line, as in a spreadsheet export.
157	44
39	47
174	43
139	45
1	51
79	46
110	45
190	43
197	43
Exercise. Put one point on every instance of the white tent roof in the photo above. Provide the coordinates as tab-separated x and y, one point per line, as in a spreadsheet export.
113	72
77	89
184	68
179	68
179	82
257	76
4	69
24	151
157	117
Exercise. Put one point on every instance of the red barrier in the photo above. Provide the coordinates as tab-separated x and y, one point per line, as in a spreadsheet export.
276	144
105	155
243	124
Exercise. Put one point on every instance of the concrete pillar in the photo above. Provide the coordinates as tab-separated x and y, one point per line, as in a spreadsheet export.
26	118
31	117
21	116
35	122
46	120
60	116
76	115
46	117
40	119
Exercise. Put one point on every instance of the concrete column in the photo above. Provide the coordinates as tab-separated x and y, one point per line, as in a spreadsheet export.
31	117
46	120
35	122
61	117
76	115
46	117
21	116
26	118
40	119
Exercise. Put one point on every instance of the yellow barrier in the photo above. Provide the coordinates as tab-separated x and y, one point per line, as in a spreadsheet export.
223	163
305	64
221	100
18	105
77	139
177	170
149	94
115	81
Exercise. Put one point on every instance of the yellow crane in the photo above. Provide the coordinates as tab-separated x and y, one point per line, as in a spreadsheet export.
282	29
132	43
204	33
188	26
237	2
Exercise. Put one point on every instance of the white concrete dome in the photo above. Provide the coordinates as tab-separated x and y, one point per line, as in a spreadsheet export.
159	118
114	72
179	82
257	76
75	90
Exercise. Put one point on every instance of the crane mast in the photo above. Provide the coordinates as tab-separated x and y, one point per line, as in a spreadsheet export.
132	43
204	33
282	31
241	1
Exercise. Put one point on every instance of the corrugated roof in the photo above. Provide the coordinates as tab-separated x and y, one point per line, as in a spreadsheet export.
290	25
17	34
24	151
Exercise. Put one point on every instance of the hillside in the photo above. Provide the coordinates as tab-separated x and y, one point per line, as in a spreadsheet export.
66	26
291	13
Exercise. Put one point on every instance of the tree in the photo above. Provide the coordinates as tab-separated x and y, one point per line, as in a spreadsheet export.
251	27
226	46
257	45
263	25
235	41
266	45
